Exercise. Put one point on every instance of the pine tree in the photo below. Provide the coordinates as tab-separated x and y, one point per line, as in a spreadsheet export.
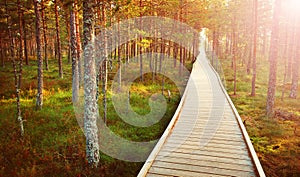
73	40
273	59
39	97
59	52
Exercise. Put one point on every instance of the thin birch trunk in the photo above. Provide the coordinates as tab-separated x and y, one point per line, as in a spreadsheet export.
90	86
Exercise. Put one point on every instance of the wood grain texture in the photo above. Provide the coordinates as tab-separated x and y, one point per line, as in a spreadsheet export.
207	138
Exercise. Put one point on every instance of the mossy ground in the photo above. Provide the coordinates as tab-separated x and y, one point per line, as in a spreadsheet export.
276	139
54	144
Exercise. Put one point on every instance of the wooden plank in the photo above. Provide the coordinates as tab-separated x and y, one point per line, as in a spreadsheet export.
220	128
207	157
216	144
168	149
210	119
209	148
217	134
200	169
213	140
175	172
206	163
158	175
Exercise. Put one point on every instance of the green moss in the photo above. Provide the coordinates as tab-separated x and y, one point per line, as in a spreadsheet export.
54	144
275	139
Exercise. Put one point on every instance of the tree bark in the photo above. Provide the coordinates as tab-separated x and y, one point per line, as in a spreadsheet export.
254	49
291	54
78	38
59	52
39	97
90	101
2	53
234	55
67	18
273	59
119	58
296	65
45	36
140	47
285	54
104	68
17	74
73	40
25	41
21	51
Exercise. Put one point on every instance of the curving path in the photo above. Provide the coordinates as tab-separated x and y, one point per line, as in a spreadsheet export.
206	136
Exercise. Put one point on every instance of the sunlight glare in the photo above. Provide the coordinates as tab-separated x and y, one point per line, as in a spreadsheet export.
292	5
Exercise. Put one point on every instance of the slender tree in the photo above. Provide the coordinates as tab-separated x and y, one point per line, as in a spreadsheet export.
104	68
45	35
140	47
273	59
39	97
57	27
254	48
25	41
73	40
285	54
78	38
17	72
291	54
296	65
119	58
2	52
234	54
21	46
90	91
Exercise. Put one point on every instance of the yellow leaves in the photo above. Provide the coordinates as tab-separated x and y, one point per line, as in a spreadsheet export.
145	43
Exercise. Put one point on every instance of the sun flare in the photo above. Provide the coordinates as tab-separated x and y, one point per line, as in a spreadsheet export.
292	5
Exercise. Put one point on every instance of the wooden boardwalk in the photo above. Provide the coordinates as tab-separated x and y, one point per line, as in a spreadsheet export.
206	136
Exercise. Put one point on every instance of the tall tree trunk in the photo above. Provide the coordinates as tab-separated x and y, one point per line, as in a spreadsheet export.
25	41
17	74
292	44
296	65
2	53
78	38
90	101
39	97
291	55
119	58
104	85
234	53
265	43
249	58
59	52
73	40
161	55
45	36
104	70
140	40
273	59
285	54
21	51
67	18
254	48
181	30
175	51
